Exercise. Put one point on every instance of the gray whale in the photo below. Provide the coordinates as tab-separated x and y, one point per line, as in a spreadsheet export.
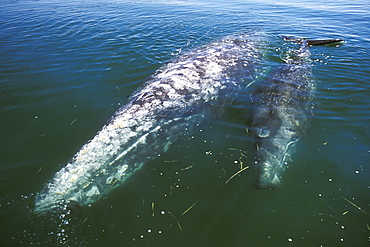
181	94
282	108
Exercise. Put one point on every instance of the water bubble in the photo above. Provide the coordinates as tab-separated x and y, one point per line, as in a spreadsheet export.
290	240
163	212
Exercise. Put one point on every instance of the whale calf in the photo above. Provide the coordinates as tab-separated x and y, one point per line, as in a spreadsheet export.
282	108
180	95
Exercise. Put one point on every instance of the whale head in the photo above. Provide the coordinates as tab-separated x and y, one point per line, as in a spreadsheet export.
266	176
273	144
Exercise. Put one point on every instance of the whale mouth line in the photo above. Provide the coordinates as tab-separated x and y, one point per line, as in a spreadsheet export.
268	172
266	176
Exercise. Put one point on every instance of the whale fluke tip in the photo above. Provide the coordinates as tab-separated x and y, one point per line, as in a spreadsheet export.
326	42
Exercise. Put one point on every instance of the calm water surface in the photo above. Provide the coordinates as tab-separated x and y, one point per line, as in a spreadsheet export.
67	66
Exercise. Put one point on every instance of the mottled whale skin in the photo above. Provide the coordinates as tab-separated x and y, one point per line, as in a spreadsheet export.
282	106
180	95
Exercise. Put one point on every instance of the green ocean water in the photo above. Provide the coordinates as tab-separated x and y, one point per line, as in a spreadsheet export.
66	67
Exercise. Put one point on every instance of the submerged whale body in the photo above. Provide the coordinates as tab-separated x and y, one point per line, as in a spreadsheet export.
180	95
282	105
282	108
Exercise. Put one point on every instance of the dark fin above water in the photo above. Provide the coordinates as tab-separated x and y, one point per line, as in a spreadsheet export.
327	42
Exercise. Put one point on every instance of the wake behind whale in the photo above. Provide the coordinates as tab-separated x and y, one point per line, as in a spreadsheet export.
180	95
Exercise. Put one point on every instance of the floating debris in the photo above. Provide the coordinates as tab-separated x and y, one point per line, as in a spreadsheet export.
323	214
238	172
173	161
187	210
358	207
178	223
39	170
242	155
187	168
